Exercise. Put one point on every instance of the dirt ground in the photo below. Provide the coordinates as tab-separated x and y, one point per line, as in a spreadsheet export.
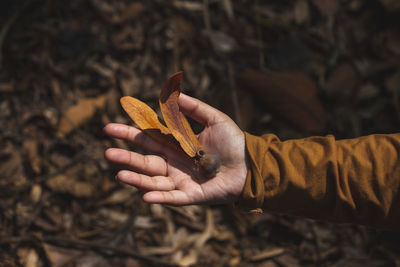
292	68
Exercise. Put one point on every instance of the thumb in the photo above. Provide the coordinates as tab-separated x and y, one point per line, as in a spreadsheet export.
199	111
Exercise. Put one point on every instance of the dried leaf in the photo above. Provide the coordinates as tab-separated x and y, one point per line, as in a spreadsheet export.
80	113
342	82
59	256
113	215
120	196
182	28
6	87
147	120
144	222
293	95
327	7
391	5
143	115
178	129
190	259
31	149
301	12
175	120
228	7
64	184
131	12
29	257
268	253
190	6
36	193
208	231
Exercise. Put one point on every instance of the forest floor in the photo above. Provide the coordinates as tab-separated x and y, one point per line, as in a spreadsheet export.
292	68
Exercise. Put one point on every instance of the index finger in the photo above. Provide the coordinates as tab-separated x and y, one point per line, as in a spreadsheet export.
135	136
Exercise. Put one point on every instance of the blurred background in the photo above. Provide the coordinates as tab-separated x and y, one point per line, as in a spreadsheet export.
292	68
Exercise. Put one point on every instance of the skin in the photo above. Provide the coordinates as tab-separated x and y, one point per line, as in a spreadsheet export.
168	177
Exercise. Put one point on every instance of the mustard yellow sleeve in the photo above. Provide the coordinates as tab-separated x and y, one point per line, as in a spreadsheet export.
348	181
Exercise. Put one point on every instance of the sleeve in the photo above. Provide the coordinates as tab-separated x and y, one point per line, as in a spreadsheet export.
347	181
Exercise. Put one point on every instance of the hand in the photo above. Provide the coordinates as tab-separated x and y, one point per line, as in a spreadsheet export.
171	179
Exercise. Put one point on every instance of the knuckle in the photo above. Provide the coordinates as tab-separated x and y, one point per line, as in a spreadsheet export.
171	182
155	184
146	163
130	159
129	134
171	197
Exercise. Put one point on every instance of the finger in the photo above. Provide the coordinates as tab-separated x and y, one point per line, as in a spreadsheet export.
147	164
158	183
200	111
174	197
135	136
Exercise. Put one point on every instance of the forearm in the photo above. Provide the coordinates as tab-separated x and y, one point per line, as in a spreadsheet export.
355	180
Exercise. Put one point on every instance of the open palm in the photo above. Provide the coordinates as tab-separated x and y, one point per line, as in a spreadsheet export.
171	179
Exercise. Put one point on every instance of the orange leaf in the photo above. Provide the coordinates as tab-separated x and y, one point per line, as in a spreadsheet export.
146	119
178	129
175	120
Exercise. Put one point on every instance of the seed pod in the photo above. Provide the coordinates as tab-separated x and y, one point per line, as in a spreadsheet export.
209	164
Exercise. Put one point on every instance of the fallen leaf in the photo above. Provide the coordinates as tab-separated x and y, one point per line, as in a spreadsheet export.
144	222
189	260
64	184
131	12
31	149
268	253
59	256
228	7
208	231
6	87
288	260
182	28
113	215
79	114
293	95
191	6
341	82
327	7
391	5
221	42
36	193
120	196
301	12
91	260
29	257
175	120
